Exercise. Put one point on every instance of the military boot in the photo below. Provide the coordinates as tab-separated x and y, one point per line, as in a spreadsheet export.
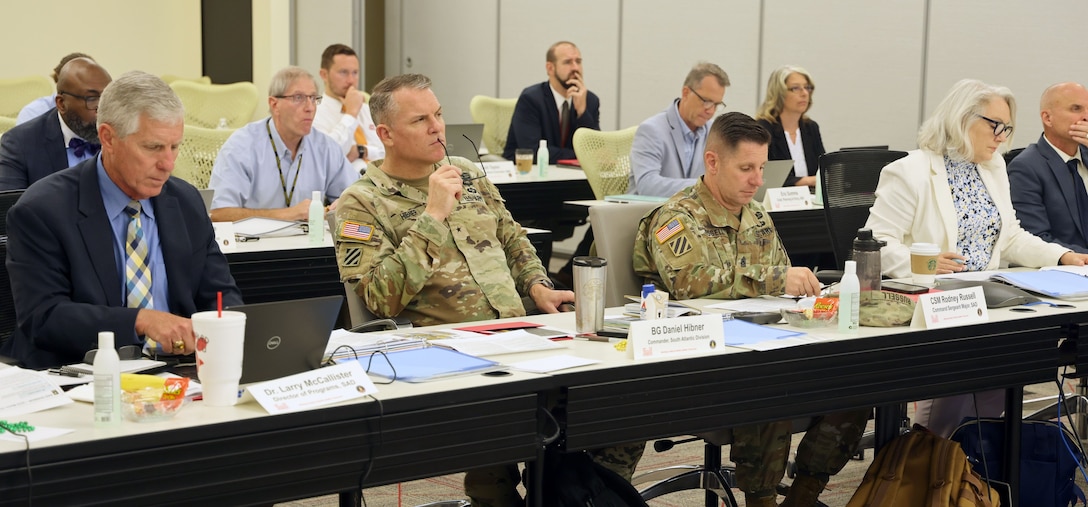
750	500
804	491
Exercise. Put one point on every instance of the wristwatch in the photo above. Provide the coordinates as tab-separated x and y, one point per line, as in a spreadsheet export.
362	151
542	281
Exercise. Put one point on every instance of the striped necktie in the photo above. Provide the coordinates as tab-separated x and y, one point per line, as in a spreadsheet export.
137	270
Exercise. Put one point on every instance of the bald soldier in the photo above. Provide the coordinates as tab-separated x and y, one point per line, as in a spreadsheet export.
712	241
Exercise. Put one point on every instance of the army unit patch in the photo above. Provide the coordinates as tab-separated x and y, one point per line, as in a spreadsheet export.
680	246
355	230
669	230
352	256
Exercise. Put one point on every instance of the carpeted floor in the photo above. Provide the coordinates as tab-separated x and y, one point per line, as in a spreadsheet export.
449	487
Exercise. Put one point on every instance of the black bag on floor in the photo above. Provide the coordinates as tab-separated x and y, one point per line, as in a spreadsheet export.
1049	455
574	480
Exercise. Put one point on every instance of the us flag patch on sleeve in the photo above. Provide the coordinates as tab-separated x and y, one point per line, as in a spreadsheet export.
356	230
669	230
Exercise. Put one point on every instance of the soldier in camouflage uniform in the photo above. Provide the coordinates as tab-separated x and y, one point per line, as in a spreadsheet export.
712	241
434	242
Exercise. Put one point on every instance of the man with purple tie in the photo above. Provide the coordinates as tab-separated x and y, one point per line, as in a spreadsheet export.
63	136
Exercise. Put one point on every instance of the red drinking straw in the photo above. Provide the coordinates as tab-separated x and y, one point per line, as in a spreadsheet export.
219	303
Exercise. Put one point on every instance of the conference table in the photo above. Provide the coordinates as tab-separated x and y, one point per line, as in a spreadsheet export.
240	455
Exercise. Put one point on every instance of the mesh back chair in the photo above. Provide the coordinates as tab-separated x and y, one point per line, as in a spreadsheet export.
205	104
197	153
614	230
495	114
1011	154
848	181
605	158
7	301
20	91
170	78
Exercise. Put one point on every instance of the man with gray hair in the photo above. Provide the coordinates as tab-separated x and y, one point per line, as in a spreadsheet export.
114	243
270	167
667	154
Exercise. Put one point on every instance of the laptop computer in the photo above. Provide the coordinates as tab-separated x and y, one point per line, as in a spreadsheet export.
775	173
286	337
207	194
458	146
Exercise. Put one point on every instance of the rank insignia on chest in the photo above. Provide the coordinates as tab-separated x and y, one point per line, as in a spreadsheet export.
356	230
680	245
669	230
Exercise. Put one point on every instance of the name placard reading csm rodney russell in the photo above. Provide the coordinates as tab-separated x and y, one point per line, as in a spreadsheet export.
699	335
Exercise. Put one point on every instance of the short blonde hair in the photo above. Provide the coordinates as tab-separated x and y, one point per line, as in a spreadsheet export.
945	132
776	93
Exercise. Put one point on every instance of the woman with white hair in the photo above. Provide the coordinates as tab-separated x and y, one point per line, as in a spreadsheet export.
793	134
954	192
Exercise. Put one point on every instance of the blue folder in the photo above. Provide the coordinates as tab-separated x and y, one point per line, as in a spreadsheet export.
428	363
1051	283
740	332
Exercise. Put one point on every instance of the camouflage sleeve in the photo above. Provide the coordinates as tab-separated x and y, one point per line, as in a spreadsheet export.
525	266
695	266
390	273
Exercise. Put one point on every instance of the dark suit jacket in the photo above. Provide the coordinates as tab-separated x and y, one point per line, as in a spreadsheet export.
64	274
536	117
780	148
32	151
1042	193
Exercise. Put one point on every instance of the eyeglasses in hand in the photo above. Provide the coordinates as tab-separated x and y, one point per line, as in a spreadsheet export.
707	104
128	352
1000	127
299	99
91	101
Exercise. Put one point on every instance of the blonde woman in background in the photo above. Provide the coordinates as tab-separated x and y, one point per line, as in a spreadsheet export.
793	134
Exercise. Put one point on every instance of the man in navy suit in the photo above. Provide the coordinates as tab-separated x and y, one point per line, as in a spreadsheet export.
67	238
63	136
539	113
1047	178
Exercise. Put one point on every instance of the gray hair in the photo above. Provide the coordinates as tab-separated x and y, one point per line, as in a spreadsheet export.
133	95
776	92
946	131
382	105
703	69
286	76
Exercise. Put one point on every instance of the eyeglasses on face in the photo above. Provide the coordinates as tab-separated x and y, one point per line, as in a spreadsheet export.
798	88
299	99
125	353
707	104
1000	127
91	101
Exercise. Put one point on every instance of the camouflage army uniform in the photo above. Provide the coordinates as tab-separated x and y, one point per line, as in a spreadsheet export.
474	266
695	248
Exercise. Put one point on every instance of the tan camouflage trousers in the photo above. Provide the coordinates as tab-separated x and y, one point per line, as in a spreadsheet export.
496	486
760	451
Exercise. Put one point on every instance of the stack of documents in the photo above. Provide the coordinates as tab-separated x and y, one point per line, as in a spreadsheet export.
1060	284
345	344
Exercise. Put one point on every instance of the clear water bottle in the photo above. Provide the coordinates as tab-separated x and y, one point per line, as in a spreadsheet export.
867	256
316	222
849	300
543	158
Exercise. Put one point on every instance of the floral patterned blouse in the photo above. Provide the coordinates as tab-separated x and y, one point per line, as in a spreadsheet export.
977	216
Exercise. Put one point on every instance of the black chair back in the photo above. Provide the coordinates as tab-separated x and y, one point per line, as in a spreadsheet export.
849	180
7	301
1011	154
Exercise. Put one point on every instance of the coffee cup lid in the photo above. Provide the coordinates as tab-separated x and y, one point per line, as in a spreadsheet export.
925	248
592	262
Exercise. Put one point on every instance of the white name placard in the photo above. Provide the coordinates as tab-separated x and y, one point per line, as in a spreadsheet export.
224	236
787	198
500	172
677	337
312	389
950	308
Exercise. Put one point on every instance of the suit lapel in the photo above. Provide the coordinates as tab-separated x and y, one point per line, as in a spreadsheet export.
53	142
677	132
173	241
1062	176
551	114
92	222
943	197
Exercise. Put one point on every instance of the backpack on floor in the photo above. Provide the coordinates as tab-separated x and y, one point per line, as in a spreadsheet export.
920	469
1047	464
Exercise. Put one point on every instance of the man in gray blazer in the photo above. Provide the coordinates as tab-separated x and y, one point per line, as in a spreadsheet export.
667	154
1047	178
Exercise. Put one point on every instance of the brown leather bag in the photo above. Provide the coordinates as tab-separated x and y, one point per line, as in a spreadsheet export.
920	469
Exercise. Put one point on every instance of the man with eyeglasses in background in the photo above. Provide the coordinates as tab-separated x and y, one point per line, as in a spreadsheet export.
270	167
62	137
554	109
666	156
1047	178
114	243
343	113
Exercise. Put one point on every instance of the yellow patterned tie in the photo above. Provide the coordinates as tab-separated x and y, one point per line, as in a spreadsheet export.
137	271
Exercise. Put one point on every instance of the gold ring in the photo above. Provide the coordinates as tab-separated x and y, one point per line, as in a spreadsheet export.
179	345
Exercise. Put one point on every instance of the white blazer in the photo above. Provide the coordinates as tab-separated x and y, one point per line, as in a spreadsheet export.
914	204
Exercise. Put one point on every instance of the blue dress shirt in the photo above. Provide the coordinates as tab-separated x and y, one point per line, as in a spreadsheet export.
36	108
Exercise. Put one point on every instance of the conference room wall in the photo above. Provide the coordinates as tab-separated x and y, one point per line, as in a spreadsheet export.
123	35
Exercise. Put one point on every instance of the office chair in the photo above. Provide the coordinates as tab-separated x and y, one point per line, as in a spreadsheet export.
20	91
362	320
495	114
170	78
196	155
614	230
605	158
848	182
7	300
205	104
1011	154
